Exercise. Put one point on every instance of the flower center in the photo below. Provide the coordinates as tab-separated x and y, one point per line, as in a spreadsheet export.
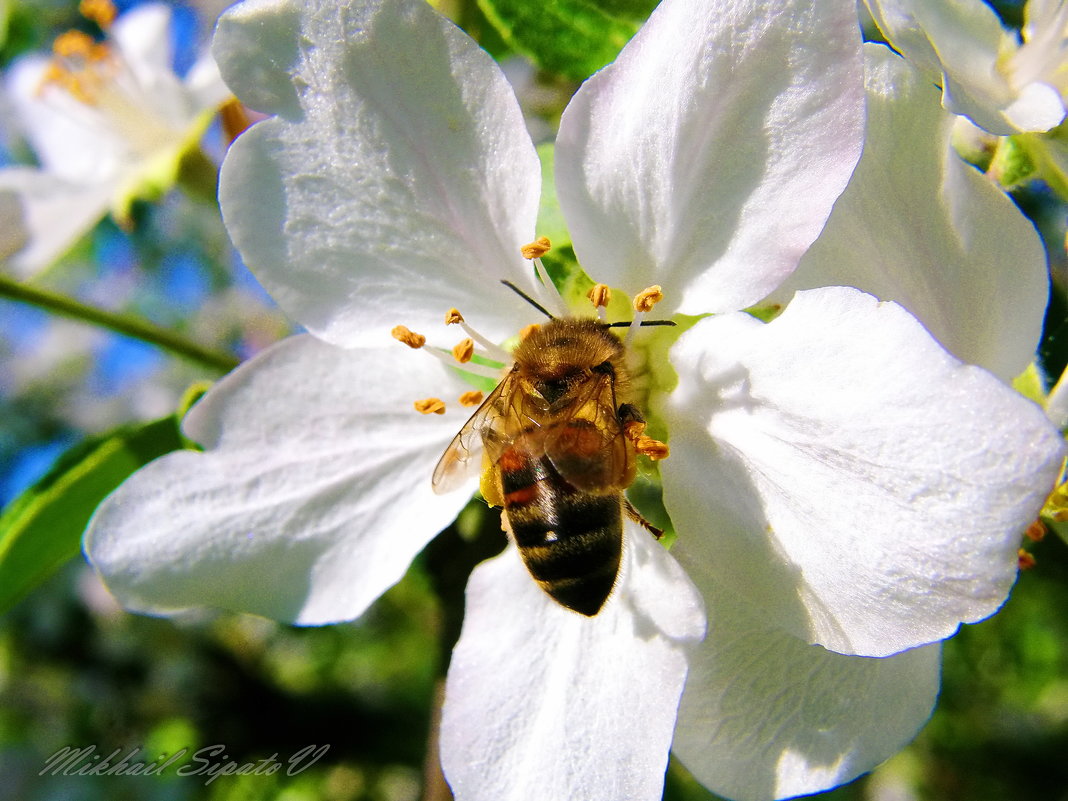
110	96
557	365
1042	55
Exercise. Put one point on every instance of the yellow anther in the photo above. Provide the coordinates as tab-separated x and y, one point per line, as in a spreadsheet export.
463	350
409	338
102	12
536	249
430	406
73	44
526	331
1025	560
1036	532
453	317
472	398
653	448
600	295
647	298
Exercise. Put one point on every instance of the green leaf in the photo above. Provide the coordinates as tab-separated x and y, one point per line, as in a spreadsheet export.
42	529
573	38
551	221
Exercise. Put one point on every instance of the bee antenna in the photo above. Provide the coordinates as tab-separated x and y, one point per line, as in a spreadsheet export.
529	299
624	324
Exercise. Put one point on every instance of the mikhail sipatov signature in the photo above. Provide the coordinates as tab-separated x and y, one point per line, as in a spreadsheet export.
209	762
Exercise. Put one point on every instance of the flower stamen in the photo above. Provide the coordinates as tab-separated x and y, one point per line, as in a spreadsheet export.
533	252
493	351
463	350
408	337
472	398
600	296
647	298
449	358
102	12
536	249
430	406
643	303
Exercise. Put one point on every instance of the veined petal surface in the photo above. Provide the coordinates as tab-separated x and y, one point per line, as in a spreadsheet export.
542	702
919	226
707	157
397	179
844	473
310	501
766	715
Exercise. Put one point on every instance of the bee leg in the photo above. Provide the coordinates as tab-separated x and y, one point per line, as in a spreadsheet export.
632	424
636	516
628	414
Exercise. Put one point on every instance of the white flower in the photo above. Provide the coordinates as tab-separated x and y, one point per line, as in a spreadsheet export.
842	488
988	75
108	121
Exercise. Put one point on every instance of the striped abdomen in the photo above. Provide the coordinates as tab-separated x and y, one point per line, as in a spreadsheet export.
570	540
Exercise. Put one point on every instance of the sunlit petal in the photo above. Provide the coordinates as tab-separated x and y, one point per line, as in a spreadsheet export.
843	472
766	715
397	180
707	157
311	499
542	702
919	226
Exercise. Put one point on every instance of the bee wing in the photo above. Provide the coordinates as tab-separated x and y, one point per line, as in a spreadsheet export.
587	446
463	458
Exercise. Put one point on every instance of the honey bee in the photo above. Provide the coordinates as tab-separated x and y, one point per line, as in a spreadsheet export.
557	456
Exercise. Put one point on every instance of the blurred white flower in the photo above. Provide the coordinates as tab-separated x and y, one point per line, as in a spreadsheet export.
108	120
1004	85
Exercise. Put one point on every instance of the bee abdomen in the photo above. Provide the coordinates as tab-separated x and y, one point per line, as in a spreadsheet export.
569	541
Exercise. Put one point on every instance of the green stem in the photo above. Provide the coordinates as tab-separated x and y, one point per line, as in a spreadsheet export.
138	329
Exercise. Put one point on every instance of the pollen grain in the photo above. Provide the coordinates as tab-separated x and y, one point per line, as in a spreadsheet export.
653	448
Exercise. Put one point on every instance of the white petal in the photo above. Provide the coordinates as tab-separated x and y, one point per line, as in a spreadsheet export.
54	214
542	702
143	34
398	179
1037	107
310	501
205	84
14	233
708	156
844	473
765	715
931	232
